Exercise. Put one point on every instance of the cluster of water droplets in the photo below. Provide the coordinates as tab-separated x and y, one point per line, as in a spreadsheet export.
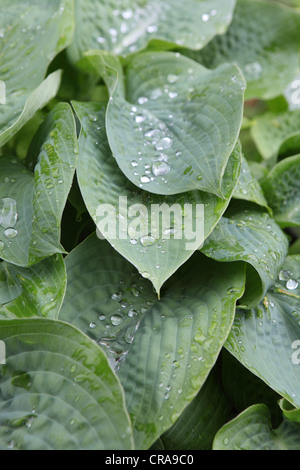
115	332
8	219
291	281
125	31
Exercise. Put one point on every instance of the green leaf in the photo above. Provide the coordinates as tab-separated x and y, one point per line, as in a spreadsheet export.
163	350
282	189
265	339
31	205
171	124
34	32
126	26
58	391
248	188
274	133
251	235
32	292
263	39
156	257
196	427
252	430
289	411
35	101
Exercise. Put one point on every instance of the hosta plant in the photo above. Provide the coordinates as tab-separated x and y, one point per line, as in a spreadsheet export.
149	225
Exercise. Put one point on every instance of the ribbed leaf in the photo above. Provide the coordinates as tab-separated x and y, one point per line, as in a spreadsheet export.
31	205
265	339
282	189
252	430
32	292
126	26
171	124
34	32
163	350
57	391
156	257
246	233
263	39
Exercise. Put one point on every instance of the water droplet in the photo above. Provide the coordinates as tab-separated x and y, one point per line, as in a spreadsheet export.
8	212
292	284
253	70
134	163
164	143
145	179
152	29
140	118
146	275
117	296
148	240
205	17
132	313
160	169
173	95
92	325
10	233
143	100
116	320
172	78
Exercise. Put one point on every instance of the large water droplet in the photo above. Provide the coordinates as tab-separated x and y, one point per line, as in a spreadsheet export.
8	212
10	233
292	284
116	320
160	169
164	143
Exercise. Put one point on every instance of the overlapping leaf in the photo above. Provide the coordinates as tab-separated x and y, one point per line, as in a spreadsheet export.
126	26
198	424
265	339
252	430
275	133
246	233
248	188
58	391
31	205
155	256
163	350
263	40
282	189
33	32
171	124
32	292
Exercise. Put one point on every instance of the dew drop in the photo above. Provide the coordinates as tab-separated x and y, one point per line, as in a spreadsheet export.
116	320
160	168
10	233
292	284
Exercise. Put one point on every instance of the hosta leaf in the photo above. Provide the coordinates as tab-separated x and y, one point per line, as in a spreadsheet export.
32	292
58	391
34	32
155	257
263	339
248	188
263	40
163	350
198	424
125	26
31	205
282	189
173	117
248	234
272	132
37	99
252	430
289	411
